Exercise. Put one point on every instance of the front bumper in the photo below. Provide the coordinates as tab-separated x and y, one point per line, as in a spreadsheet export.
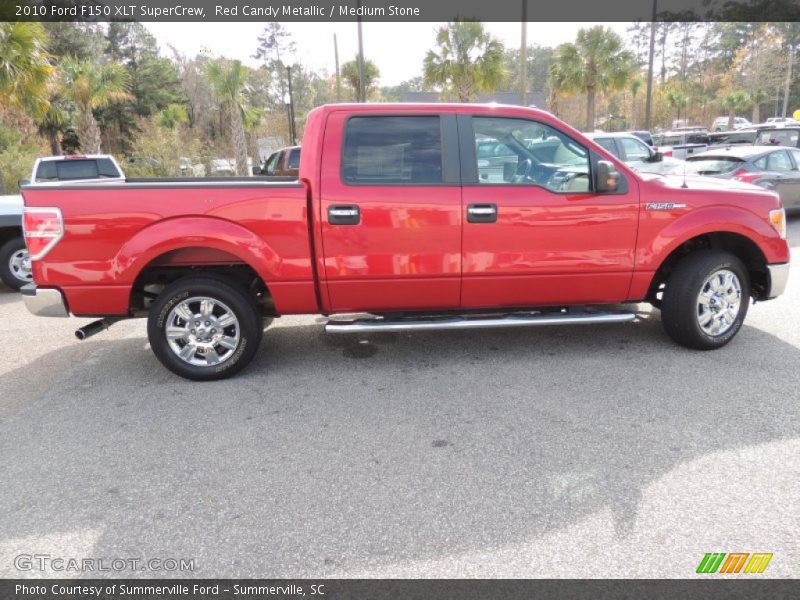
44	302
778	277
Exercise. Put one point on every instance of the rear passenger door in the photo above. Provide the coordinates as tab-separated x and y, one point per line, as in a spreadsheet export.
391	211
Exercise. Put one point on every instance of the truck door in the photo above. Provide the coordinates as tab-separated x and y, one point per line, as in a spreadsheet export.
537	234
391	211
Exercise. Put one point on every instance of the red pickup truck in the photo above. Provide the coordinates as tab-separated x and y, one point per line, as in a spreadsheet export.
436	216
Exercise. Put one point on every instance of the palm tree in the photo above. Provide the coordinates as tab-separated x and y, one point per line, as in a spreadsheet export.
349	72
172	116
228	78
677	100
734	102
467	61
91	86
758	97
596	62
25	69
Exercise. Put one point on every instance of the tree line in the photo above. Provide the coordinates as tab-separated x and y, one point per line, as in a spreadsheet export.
106	87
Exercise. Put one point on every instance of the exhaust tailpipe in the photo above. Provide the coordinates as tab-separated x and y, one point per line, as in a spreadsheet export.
95	327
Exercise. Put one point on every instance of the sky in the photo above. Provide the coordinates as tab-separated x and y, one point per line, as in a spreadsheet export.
397	49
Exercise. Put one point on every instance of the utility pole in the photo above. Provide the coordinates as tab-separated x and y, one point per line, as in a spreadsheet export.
338	80
649	96
362	96
290	104
523	57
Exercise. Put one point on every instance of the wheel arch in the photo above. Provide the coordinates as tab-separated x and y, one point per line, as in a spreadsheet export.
738	244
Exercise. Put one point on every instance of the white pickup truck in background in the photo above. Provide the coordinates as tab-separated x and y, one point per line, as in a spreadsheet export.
15	263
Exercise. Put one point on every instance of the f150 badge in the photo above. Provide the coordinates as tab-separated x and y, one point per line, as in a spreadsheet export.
663	206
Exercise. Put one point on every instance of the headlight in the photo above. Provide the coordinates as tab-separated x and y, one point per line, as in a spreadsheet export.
778	219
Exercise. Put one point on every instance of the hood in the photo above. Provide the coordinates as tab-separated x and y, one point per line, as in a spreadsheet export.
10	205
698	182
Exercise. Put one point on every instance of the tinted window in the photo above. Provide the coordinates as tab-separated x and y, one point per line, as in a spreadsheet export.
294	159
72	169
635	150
106	168
779	161
392	150
540	155
272	161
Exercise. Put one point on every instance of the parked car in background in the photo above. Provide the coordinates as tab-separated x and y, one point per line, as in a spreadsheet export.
76	168
15	262
226	167
636	154
680	144
191	168
283	163
775	169
721	123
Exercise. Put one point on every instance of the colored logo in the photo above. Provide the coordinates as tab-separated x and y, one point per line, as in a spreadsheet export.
735	562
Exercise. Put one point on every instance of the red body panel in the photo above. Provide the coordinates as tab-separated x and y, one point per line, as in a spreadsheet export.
412	250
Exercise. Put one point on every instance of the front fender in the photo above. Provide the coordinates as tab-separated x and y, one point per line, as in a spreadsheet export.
187	232
660	240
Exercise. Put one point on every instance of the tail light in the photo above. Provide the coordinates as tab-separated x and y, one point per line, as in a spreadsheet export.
743	174
667	153
43	228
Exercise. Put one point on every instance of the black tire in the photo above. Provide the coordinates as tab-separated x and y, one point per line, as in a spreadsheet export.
679	306
7	274
229	296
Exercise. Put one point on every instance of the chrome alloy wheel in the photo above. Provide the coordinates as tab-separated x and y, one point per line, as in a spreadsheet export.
719	302
202	331
19	264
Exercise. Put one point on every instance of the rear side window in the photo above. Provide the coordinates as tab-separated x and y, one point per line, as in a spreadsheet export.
392	150
713	165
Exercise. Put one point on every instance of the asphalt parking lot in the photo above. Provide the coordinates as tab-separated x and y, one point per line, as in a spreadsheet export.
594	451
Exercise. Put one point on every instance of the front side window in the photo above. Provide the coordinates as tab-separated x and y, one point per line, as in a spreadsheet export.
777	137
294	159
537	155
635	150
392	150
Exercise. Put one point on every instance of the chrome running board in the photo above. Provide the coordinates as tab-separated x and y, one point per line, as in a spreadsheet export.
478	322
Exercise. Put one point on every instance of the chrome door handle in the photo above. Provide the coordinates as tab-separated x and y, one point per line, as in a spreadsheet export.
482	213
344	215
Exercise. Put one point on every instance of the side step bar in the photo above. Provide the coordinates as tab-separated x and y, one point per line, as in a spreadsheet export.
481	322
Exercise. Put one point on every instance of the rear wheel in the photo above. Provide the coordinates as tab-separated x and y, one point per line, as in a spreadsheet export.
706	299
15	263
204	328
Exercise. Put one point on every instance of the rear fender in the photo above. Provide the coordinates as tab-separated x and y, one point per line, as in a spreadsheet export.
186	232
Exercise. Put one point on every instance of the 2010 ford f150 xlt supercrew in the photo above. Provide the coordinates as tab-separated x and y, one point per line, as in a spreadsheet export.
438	216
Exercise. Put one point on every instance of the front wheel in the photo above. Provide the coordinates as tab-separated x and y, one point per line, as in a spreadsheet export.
706	299
204	328
15	263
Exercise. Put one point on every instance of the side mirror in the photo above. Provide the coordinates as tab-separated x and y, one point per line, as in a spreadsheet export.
256	170
656	157
606	177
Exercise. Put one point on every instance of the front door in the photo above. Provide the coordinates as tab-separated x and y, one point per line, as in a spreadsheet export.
391	212
535	233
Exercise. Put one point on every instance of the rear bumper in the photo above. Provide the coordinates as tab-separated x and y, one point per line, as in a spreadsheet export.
44	302
778	277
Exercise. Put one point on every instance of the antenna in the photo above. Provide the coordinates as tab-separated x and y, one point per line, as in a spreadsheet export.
685	162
